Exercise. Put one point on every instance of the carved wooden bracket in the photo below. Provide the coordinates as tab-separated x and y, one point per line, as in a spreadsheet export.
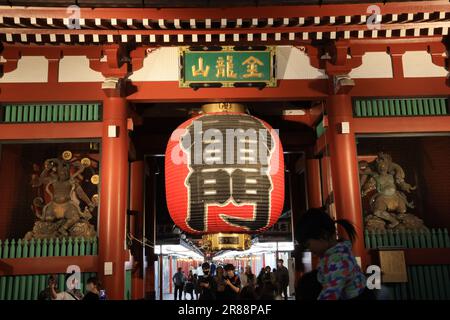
439	54
138	55
338	57
12	56
314	53
111	63
396	53
342	59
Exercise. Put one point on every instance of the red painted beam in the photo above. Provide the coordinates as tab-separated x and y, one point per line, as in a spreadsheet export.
400	87
408	43
56	92
426	256
230	13
13	51
67	130
304	119
310	118
57	51
168	91
401	124
46	265
432	256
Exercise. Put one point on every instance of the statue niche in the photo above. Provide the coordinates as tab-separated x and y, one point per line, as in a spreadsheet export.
384	182
57	204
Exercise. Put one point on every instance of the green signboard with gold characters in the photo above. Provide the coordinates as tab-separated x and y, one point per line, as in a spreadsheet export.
227	67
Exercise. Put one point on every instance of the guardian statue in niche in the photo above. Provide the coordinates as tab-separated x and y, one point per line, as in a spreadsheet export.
384	181
59	197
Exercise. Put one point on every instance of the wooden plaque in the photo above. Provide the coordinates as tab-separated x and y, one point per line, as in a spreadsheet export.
393	266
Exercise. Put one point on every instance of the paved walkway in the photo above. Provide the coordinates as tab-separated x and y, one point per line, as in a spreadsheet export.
169	296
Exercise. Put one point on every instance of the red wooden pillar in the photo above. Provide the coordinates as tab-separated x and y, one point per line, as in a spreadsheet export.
113	196
137	228
344	166
161	277
313	183
326	180
170	274
149	232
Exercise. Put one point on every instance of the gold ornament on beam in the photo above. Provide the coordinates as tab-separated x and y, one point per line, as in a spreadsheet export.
223	107
95	199
67	155
226	241
95	179
86	162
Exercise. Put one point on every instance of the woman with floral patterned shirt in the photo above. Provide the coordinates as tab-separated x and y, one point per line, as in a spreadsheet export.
338	272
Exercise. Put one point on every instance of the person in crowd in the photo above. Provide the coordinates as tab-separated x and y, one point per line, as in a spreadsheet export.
267	275
267	291
232	283
196	286
207	284
308	287
247	293
259	278
248	278
282	279
189	285
220	282
71	293
272	276
92	289
46	294
213	268
199	270
338	272
178	280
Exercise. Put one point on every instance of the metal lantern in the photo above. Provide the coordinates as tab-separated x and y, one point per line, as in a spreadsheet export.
224	174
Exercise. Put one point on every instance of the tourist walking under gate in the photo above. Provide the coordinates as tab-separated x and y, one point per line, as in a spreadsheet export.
178	280
207	284
232	283
189	286
248	278
282	279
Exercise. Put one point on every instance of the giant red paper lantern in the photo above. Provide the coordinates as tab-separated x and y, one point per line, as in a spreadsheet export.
224	174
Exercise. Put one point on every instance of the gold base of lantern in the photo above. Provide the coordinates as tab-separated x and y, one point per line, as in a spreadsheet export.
227	241
223	107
